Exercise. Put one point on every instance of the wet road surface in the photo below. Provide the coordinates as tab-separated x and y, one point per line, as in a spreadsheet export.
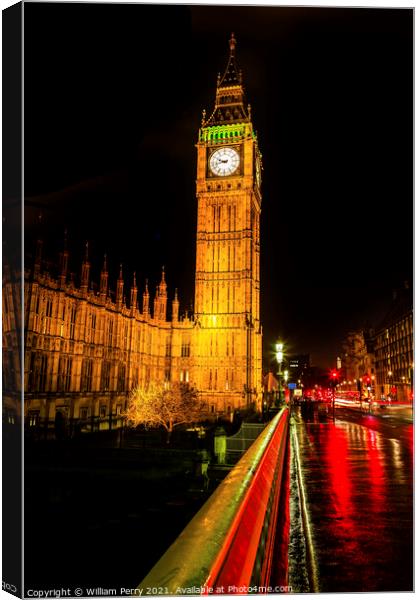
357	472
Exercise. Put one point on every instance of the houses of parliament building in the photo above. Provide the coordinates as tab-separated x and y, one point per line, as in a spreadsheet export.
85	351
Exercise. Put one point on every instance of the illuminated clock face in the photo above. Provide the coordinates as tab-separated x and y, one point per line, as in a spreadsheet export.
224	161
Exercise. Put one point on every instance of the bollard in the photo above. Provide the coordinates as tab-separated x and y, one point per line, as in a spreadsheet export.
220	445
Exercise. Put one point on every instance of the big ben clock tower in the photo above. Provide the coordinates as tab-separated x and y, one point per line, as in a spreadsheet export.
227	285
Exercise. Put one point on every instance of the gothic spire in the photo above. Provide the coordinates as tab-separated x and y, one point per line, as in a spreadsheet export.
103	288
146	297
175	307
230	106
232	74
84	283
64	257
133	295
232	43
120	289
162	285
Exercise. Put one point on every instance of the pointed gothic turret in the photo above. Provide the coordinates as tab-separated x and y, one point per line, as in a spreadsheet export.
232	75
120	290
162	285
156	304
64	262
175	308
84	280
161	299
230	104
103	286
39	246
146	300
38	257
133	296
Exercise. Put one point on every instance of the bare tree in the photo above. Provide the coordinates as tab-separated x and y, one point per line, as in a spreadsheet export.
167	406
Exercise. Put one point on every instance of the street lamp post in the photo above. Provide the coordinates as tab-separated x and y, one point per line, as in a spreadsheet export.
334	382
285	378
389	385
279	358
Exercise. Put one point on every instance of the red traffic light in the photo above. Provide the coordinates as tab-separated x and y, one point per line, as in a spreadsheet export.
334	376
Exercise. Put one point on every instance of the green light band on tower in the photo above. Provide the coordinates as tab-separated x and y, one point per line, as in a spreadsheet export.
218	133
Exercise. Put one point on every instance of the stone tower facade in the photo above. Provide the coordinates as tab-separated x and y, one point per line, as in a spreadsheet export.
227	284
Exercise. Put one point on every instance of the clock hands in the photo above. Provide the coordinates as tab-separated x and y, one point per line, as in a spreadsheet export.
224	161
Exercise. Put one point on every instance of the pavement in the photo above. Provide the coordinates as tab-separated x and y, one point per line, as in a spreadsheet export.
357	474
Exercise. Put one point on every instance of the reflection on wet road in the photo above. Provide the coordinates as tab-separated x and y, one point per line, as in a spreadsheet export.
358	476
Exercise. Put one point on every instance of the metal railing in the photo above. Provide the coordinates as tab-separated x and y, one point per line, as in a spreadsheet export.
227	546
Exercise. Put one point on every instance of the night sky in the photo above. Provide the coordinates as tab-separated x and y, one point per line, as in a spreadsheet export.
113	102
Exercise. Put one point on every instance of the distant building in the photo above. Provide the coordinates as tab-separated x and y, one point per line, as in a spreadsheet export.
358	359
382	358
297	365
394	348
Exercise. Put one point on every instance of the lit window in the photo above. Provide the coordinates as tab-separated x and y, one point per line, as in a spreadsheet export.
185	349
33	419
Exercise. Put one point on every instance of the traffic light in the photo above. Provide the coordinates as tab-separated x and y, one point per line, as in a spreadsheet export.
334	377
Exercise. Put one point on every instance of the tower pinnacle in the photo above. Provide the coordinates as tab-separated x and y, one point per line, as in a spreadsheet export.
232	75
232	43
64	258
84	283
146	297
175	307
120	289
230	104
103	289
133	296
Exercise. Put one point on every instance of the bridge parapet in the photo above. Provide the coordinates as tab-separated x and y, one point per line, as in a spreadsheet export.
227	547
